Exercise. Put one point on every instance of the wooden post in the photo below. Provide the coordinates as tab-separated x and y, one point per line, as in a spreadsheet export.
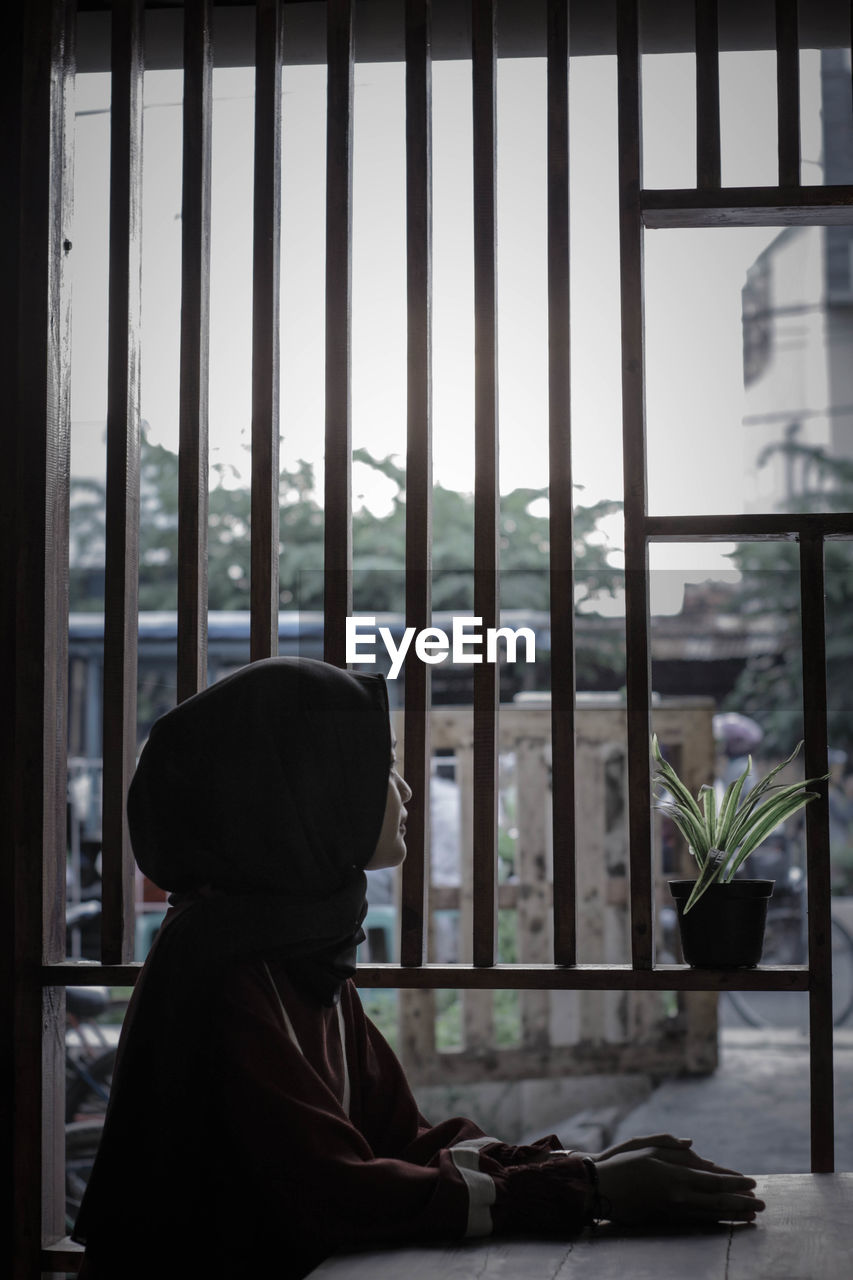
414	913
195	324
634	468
560	490
707	95
36	220
812	589
337	592
266	266
121	573
486	499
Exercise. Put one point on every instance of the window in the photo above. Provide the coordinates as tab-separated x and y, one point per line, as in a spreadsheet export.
35	497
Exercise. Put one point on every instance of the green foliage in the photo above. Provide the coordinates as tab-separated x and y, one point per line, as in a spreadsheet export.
722	838
380	1005
378	542
770	688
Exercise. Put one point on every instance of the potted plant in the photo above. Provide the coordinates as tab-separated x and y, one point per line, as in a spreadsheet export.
722	919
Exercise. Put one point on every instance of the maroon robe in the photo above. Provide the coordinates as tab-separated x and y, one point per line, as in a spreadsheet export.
255	1124
317	1104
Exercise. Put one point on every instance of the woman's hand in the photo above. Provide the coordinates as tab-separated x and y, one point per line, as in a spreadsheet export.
660	1179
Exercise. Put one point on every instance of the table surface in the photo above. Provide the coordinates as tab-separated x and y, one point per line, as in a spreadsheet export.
805	1233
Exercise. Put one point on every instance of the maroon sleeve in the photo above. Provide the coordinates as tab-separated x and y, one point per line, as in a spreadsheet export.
308	1161
550	1198
384	1107
535	1193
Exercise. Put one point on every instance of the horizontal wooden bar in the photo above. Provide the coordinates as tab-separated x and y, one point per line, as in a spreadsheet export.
602	977
502	977
830	206
64	1255
750	528
88	973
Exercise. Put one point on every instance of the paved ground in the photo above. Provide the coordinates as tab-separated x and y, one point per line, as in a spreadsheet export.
753	1112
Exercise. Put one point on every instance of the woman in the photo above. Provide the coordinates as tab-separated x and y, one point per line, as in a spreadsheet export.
258	1120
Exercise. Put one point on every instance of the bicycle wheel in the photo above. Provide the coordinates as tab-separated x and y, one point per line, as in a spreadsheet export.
88	1089
786	944
81	1144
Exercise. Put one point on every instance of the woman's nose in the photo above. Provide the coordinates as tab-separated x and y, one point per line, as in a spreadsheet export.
404	789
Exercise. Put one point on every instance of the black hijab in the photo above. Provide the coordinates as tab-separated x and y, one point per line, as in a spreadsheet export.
269	788
273	780
258	802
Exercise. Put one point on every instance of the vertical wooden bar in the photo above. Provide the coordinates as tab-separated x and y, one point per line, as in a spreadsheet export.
35	215
415	878
560	491
264	588
337	585
26	129
122	507
532	913
851	45
634	464
812	594
707	96
195	315
788	92
58	474
486	497
20	941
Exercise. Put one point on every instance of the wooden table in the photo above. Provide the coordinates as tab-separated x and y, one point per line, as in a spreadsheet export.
805	1233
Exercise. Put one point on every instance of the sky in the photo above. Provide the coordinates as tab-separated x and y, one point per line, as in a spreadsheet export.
693	278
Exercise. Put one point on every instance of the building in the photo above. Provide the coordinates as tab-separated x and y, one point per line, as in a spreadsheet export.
797	328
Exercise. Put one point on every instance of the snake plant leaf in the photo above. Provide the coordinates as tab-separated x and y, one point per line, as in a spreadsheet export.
722	837
729	806
692	830
767	819
750	815
709	811
710	872
672	782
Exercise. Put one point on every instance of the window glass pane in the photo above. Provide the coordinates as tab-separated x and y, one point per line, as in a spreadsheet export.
669	120
453	275
749	397
379	298
748	129
93	1022
595	287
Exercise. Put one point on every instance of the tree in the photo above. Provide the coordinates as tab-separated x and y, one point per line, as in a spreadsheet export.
378	542
770	688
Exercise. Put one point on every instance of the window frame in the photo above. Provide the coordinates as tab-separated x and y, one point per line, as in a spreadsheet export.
35	505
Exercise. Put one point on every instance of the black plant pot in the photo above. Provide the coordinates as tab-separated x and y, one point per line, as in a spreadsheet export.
725	928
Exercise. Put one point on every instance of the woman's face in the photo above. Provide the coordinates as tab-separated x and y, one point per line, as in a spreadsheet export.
391	846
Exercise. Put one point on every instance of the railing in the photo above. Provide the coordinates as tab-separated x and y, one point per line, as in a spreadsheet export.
569	1031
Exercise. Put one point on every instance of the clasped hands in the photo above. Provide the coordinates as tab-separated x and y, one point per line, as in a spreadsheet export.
660	1179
